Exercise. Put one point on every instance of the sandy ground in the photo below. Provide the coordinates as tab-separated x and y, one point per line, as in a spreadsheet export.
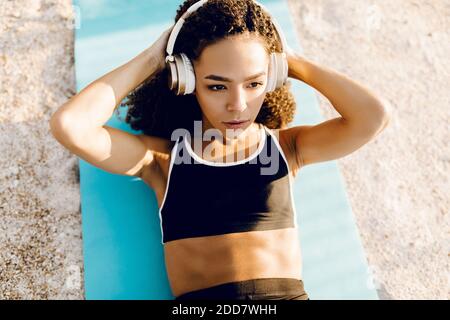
40	220
396	183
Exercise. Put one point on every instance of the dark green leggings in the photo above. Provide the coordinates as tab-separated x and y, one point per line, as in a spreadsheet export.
254	289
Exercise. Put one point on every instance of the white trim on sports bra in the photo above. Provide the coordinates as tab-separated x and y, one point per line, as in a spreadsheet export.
230	163
172	160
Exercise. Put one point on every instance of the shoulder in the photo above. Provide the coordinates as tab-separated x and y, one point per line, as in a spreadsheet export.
283	137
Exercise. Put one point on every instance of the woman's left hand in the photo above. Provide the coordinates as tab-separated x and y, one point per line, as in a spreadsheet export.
292	59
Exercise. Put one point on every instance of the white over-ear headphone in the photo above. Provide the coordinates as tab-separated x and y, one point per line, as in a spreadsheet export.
182	76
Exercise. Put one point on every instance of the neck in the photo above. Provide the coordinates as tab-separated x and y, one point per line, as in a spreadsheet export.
248	140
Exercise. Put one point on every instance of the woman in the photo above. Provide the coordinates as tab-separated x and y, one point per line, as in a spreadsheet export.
229	226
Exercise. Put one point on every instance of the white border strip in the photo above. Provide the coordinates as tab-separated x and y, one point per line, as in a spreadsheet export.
172	160
231	163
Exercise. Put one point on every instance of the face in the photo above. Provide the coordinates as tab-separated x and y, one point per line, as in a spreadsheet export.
231	78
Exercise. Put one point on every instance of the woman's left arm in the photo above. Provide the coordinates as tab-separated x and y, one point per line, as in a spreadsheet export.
363	114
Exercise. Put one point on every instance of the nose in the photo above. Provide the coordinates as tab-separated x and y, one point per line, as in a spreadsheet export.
237	100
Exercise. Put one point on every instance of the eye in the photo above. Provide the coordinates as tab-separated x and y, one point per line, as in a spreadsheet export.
212	88
257	84
253	85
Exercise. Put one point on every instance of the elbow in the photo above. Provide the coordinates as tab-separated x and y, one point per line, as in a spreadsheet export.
61	129
54	126
57	125
386	113
57	130
383	121
387	121
382	116
384	107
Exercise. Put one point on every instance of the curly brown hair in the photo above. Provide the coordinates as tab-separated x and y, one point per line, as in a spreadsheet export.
153	106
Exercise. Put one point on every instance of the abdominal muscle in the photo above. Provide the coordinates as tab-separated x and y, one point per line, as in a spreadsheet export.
202	262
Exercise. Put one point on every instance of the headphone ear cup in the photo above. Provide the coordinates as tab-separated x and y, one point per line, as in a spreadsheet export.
172	76
181	75
272	73
190	74
282	69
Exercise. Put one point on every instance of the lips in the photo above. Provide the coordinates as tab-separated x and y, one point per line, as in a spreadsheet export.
236	121
235	124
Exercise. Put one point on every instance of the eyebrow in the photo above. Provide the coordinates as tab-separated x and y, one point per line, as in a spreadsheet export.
220	78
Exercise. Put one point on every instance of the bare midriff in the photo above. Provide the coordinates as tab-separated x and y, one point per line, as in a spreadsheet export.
202	262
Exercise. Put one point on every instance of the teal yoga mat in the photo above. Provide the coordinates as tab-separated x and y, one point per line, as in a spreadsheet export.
123	254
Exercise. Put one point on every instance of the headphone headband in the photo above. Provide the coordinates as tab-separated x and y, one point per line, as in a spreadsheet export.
179	24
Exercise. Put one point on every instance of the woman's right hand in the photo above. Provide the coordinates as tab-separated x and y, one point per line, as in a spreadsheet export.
158	48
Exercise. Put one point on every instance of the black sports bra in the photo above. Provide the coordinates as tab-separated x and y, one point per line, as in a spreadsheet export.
204	198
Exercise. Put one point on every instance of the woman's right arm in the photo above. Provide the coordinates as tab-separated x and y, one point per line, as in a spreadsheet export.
79	124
